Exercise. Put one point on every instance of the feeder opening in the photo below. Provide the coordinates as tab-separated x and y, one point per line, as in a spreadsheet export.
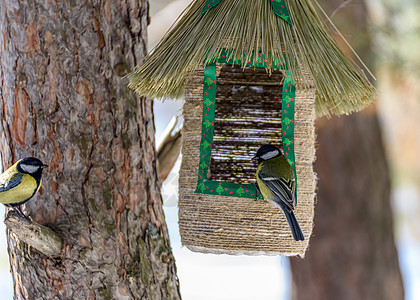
247	115
253	108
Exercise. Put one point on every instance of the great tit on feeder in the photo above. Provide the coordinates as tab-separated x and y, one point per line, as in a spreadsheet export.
276	182
20	183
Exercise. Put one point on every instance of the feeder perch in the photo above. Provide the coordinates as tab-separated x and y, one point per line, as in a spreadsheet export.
262	81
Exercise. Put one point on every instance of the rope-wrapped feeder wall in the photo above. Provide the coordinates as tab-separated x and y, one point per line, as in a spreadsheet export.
233	225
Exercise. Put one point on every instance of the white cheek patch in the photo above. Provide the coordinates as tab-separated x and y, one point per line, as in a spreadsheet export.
29	168
270	154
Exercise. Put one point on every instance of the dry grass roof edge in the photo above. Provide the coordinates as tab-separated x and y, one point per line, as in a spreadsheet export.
252	27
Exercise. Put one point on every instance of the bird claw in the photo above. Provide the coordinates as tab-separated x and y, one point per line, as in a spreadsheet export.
21	215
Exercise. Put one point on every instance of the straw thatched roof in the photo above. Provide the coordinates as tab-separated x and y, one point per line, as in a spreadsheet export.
250	27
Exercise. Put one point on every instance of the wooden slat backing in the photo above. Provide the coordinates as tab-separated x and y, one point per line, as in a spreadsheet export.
247	115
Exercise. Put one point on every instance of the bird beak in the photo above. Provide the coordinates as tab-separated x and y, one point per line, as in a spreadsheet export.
44	166
255	158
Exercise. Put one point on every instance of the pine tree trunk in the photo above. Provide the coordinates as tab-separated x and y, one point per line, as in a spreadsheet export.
65	101
352	252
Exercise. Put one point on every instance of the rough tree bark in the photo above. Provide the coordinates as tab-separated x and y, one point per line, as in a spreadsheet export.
63	100
352	252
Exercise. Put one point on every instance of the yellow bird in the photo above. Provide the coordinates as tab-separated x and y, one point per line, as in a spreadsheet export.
276	182
20	183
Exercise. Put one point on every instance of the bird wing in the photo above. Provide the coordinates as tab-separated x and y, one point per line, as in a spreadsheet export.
11	181
283	188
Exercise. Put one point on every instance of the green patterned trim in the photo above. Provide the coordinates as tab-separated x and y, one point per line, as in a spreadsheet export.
288	122
212	187
227	57
279	7
210	4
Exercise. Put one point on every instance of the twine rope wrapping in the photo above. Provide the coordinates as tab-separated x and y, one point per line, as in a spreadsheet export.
233	225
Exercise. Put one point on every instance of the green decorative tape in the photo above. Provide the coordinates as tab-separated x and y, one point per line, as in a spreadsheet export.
288	122
207	128
212	187
226	57
279	7
210	4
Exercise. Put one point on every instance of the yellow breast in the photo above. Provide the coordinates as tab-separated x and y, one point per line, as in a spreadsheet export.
21	192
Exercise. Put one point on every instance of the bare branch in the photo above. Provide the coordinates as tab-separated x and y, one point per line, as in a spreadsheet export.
39	237
169	150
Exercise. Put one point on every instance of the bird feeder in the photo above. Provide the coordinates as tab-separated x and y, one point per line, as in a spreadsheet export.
252	73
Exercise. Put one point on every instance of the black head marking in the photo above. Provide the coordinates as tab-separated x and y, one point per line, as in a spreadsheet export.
31	165
267	152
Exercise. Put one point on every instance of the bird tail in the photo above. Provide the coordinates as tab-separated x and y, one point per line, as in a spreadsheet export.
293	223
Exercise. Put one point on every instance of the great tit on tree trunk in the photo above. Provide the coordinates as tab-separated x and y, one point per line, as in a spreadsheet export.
276	182
20	183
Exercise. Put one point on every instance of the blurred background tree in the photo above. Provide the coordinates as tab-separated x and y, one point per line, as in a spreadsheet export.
353	253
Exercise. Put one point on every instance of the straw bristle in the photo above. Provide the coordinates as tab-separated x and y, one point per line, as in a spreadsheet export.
252	26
